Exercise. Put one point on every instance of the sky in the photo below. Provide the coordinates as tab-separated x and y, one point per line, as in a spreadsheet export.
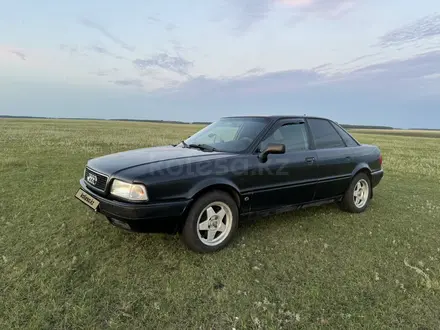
370	62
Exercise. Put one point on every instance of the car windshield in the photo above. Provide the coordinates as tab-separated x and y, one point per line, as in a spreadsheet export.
227	134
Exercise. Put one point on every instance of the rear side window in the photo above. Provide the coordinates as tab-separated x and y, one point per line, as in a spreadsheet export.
348	139
325	134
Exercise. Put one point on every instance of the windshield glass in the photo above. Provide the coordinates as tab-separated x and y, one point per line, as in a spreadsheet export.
229	134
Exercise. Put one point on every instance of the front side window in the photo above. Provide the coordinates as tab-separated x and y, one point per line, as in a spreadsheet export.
293	136
325	135
229	134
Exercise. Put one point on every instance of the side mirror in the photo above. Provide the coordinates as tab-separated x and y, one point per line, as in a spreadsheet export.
272	148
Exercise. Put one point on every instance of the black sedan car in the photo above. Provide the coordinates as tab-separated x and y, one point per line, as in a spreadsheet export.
233	168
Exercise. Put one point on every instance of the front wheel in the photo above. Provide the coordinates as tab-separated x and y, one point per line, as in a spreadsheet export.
358	195
211	222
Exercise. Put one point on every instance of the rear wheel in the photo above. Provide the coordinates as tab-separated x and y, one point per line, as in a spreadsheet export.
211	222
358	195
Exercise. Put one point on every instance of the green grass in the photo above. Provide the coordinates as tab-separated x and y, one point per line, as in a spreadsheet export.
63	267
397	132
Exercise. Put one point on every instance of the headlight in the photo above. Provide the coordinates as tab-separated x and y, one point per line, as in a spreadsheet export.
134	192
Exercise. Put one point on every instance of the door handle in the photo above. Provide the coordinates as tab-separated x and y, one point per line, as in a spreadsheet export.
310	160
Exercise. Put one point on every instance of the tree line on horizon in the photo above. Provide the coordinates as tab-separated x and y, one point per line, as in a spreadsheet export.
347	126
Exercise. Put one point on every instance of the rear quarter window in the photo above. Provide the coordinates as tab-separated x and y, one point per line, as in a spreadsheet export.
325	135
348	139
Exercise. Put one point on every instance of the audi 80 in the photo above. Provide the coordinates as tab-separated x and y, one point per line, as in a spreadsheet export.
233	168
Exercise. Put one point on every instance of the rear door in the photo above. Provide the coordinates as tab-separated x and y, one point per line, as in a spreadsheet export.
287	179
335	160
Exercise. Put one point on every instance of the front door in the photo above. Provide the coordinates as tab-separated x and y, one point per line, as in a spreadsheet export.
286	179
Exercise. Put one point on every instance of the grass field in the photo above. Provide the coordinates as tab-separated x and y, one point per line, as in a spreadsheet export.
413	133
62	267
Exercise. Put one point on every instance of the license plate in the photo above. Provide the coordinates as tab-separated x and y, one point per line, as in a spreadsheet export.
87	199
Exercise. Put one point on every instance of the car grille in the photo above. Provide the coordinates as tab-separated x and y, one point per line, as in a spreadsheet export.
95	179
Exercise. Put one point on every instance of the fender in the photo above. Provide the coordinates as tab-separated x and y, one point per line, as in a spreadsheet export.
211	182
363	167
360	167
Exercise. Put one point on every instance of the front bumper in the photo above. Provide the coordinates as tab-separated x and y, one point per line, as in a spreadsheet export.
154	217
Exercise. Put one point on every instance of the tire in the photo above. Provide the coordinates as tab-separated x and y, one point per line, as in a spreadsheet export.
354	200
211	222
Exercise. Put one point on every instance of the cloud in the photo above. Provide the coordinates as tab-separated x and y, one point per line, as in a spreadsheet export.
21	55
256	70
100	50
432	76
360	58
268	83
399	93
100	73
103	51
176	64
295	3
92	25
327	7
104	73
170	27
129	82
153	19
251	72
398	72
423	28
73	50
179	48
389	77
69	49
250	12
322	67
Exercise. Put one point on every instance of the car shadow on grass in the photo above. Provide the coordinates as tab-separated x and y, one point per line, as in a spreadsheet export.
295	216
158	243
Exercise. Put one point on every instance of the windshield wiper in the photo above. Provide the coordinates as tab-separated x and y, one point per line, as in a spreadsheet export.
185	145
203	147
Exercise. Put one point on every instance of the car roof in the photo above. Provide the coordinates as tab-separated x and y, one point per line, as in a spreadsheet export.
277	117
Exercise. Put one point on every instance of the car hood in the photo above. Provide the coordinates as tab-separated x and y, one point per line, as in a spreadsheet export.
115	163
